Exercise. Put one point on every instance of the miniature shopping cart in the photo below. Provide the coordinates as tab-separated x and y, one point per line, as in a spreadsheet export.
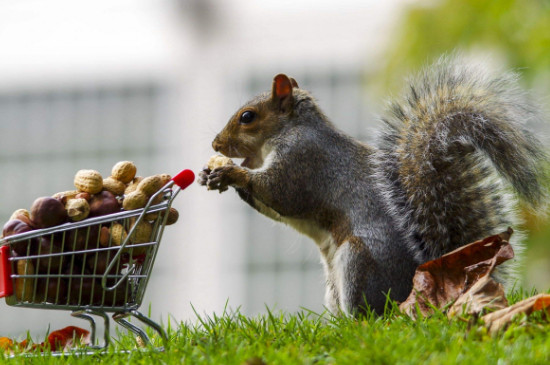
74	267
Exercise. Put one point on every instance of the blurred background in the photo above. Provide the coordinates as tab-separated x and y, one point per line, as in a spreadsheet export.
86	84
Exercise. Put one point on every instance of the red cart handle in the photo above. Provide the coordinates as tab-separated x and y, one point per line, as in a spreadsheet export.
184	178
6	287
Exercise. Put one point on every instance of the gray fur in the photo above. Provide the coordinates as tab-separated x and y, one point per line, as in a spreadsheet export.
474	147
436	180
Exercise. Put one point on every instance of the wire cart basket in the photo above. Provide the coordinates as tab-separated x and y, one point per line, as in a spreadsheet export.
74	267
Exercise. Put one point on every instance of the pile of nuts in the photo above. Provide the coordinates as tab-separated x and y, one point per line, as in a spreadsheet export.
94	196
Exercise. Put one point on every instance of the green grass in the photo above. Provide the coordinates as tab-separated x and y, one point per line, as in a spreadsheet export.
309	338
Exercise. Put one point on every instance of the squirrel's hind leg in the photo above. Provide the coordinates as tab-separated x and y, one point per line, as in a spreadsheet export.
356	279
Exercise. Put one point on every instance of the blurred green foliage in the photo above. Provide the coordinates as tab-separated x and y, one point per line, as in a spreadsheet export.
518	31
517	34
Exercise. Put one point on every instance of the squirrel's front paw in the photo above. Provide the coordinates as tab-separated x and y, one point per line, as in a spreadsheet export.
203	176
223	177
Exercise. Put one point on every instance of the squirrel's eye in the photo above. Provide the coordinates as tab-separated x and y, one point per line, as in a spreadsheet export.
247	117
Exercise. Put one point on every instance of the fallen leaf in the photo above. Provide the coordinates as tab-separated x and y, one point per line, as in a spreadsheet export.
63	339
6	343
500	319
439	282
485	295
68	337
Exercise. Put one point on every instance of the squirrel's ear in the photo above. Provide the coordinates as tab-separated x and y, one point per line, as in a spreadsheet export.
294	83
282	92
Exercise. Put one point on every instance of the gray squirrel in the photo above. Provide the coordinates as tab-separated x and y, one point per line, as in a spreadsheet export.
437	179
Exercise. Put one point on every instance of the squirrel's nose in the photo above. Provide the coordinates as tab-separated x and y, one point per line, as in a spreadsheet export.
216	144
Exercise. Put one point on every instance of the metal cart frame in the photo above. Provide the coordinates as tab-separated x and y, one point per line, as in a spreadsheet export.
82	273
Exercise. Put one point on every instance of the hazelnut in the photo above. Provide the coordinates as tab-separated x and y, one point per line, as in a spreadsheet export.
173	216
47	212
103	203
45	263
82	238
51	290
104	236
16	226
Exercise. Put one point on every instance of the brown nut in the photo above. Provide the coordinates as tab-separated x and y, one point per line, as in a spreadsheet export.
84	291
45	263
77	209
118	234
132	186
47	212
173	216
114	186
24	286
51	290
134	200
103	203
82	238
104	236
150	185
97	263
124	171
84	195
89	181
16	226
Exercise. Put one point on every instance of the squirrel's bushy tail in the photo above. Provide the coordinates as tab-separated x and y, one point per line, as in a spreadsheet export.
451	148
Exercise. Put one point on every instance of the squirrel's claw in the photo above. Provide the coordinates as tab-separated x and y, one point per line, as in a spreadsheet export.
203	177
218	179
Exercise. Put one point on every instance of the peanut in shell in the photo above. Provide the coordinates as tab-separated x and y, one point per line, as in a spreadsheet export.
124	171
150	185
132	185
77	209
134	200
114	186
89	181
64	196
216	161
118	234
142	233
24	286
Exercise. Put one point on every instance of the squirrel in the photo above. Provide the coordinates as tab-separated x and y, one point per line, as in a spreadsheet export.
438	177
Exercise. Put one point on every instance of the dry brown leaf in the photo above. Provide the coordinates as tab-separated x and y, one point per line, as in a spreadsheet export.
60	340
485	294
441	281
500	319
